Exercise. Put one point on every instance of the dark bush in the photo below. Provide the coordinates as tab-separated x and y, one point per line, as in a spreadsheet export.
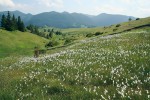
67	41
43	51
52	43
49	30
98	33
45	30
114	29
89	35
58	33
137	18
118	25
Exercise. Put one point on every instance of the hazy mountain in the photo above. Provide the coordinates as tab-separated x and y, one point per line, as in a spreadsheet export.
109	19
68	20
54	19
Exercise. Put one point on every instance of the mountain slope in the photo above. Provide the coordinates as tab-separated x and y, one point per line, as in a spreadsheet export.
52	19
110	29
16	42
109	19
67	20
70	20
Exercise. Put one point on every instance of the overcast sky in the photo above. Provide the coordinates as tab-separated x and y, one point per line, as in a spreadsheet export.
137	8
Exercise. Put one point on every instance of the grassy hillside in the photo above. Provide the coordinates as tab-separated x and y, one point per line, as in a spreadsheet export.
114	67
75	34
108	30
16	42
104	67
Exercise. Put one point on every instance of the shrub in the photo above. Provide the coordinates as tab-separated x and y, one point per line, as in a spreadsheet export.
137	18
118	25
52	43
58	33
42	51
45	30
49	30
114	29
89	35
67	41
98	33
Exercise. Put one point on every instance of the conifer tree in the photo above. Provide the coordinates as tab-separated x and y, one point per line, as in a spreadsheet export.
19	23
14	23
50	34
3	21
22	27
36	30
8	22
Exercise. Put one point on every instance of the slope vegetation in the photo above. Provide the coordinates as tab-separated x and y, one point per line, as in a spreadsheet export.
110	29
16	42
110	67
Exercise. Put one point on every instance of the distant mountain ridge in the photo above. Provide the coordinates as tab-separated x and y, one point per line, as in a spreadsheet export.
69	20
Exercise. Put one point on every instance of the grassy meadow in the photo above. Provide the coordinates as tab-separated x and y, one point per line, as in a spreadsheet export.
104	67
19	43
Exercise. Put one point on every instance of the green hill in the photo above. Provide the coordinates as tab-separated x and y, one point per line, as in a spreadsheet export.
16	42
12	43
113	67
110	29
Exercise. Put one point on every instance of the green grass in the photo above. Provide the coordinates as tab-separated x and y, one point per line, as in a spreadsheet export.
19	43
77	34
109	29
111	67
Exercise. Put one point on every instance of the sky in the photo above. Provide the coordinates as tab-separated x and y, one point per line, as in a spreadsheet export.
136	8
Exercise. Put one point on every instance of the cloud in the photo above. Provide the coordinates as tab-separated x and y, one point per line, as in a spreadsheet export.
127	1
140	8
34	6
142	12
108	9
79	2
137	8
51	3
7	3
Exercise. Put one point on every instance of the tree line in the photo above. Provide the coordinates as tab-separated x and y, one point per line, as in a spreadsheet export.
35	30
51	32
11	23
